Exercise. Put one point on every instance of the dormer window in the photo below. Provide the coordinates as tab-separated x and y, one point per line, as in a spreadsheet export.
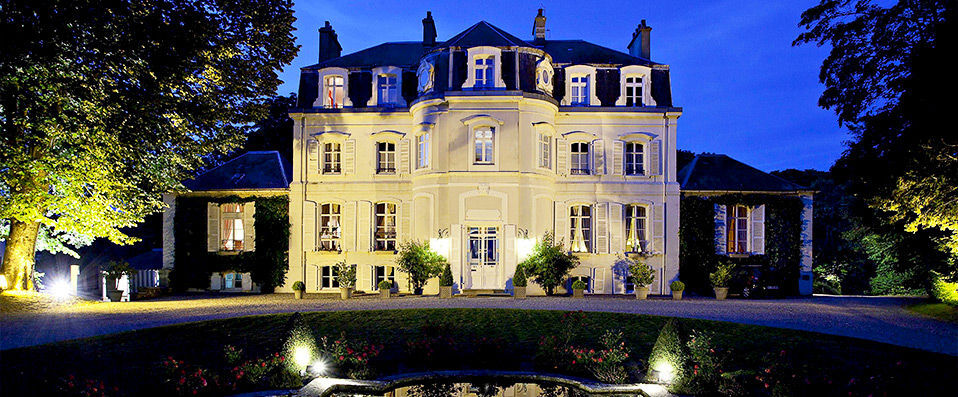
485	71
633	91
580	90
634	86
387	87
334	89
388	90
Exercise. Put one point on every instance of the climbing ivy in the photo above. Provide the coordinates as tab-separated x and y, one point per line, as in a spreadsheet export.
267	265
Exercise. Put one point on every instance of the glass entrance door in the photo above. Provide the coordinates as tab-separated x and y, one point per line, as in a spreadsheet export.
484	257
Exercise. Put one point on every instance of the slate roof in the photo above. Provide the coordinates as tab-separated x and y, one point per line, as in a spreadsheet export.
719	172
249	171
581	51
402	53
484	33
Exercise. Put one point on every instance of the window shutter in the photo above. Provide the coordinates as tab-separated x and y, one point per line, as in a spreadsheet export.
509	250
364	277
658	227
348	223
312	161
309	226
402	279
562	225
598	157
249	226
404	164
617	158
758	229
404	216
602	228
562	156
655	154
455	251
213	227
720	229
598	280
364	226
349	156
616	227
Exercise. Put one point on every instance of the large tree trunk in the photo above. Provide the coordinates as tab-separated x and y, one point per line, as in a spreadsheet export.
18	257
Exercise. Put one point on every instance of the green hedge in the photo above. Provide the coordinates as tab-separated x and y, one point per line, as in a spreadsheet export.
267	265
783	236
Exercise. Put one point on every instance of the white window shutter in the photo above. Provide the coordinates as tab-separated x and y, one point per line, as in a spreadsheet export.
658	227
562	156
404	163
655	158
349	156
509	249
365	226
404	222
617	157
720	237
455	248
616	228
598	280
312	160
249	226
598	157
562	225
364	277
602	228
758	229
309	226
213	227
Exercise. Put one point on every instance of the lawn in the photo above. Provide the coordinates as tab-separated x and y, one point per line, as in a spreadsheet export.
941	311
132	361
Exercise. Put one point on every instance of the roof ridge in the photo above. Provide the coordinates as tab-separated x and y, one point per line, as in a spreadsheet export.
691	167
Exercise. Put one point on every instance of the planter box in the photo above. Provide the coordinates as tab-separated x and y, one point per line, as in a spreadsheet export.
677	295
384	293
720	293
445	291
345	293
578	293
519	292
641	293
298	294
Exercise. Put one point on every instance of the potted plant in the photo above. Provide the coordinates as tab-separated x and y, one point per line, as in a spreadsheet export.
346	277
298	288
578	288
519	283
720	279
421	263
677	288
642	276
385	288
445	283
114	272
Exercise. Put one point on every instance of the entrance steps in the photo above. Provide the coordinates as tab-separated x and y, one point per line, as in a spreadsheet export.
473	293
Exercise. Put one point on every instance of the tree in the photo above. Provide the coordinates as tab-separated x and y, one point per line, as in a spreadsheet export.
549	264
419	262
106	105
275	132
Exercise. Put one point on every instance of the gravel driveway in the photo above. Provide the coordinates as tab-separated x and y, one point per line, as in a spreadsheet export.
881	319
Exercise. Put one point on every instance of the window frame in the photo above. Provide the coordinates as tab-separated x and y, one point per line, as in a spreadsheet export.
544	150
634	82
484	235
633	71
325	153
377	277
423	157
389	242
321	78
328	277
628	215
335	237
483	51
380	153
489	143
576	157
579	97
735	243
575	213
236	217
575	71
626	155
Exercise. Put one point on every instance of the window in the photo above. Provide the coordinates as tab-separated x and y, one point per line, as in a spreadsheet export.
580	90
634	158
385	227
388	90
422	150
232	280
231	221
737	221
633	91
332	158
580	217
328	277
484	145
334	91
483	246
635	227
385	158
485	72
580	158
383	273
329	227
585	279
545	151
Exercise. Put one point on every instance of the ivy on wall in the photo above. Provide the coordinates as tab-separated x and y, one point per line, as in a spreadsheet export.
267	265
783	236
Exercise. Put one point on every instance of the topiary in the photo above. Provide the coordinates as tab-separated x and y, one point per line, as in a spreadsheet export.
385	285
669	360
446	279
299	286
579	284
519	278
677	286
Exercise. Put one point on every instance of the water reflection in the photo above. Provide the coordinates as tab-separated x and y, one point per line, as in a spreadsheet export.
486	389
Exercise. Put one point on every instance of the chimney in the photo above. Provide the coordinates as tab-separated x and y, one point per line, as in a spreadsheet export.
640	46
428	30
329	47
539	27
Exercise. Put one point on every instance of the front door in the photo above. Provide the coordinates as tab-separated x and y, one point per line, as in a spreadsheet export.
484	257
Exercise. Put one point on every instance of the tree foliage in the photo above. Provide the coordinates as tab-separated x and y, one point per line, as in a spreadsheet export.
549	264
416	259
105	105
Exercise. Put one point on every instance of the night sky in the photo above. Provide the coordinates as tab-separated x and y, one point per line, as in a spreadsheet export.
744	89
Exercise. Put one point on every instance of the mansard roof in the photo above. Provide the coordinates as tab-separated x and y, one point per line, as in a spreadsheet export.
485	34
718	172
250	171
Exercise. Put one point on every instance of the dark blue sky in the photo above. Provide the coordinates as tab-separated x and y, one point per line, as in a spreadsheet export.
745	90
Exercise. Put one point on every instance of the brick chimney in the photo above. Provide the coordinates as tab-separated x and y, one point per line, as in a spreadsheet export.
640	46
428	30
539	27
329	47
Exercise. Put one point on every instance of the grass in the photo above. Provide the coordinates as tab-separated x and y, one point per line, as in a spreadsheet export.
131	360
941	311
16	302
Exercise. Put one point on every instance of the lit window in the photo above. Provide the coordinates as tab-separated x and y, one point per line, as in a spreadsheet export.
422	150
545	151
388	90
332	158
580	90
232	280
385	227
385	158
231	220
580	218
580	158
334	91
737	221
484	145
328	277
483	246
485	72
635	218
633	91
329	227
383	273
634	158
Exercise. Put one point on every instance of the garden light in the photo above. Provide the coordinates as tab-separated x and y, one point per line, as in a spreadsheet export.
524	248
319	367
60	289
302	356
3	282
665	371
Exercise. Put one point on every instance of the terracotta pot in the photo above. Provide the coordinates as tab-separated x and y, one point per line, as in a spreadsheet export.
298	294
641	293
519	292
384	293
445	291
677	295
578	293
345	293
720	293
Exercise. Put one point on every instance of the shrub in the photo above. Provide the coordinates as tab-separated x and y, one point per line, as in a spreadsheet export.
722	275
115	270
642	274
669	360
232	355
419	262
352	358
519	278
944	291
385	285
607	363
346	275
299	286
677	286
579	284
446	279
549	264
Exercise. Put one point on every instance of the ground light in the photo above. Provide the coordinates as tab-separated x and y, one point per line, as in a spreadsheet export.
3	282
664	371
319	367
302	356
60	289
